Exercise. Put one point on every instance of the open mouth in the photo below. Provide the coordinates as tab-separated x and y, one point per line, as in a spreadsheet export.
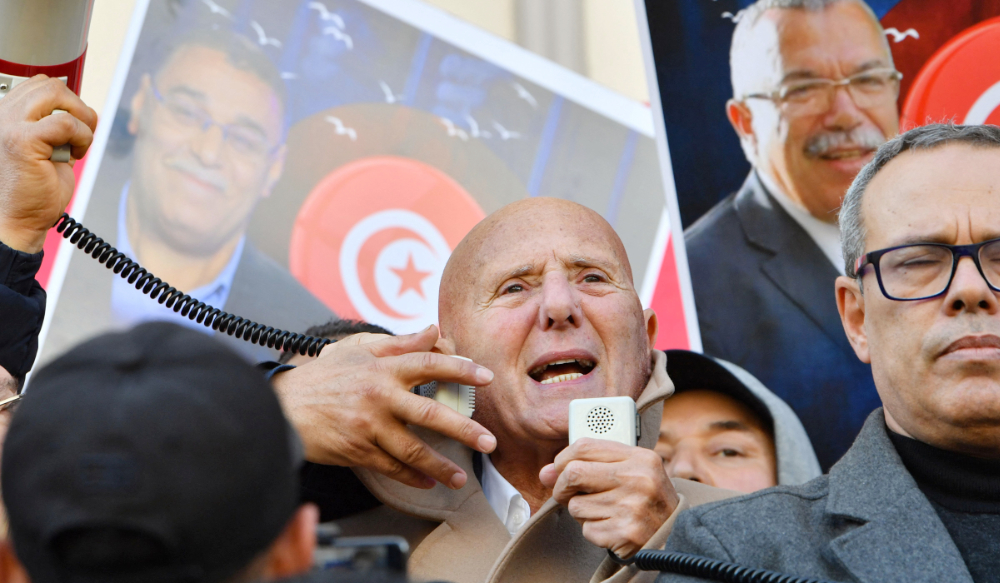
560	371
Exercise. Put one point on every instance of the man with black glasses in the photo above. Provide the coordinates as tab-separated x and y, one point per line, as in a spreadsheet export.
916	496
206	129
814	94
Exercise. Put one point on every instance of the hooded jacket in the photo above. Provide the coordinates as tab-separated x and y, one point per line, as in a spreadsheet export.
793	452
796	460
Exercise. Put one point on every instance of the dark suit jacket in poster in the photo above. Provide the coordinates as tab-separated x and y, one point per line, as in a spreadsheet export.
262	291
765	299
866	521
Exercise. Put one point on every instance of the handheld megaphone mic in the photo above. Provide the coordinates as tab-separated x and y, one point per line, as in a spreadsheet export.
44	37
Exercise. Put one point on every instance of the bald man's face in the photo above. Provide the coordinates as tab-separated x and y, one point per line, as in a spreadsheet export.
544	298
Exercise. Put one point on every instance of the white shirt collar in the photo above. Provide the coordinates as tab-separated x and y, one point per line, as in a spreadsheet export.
825	235
505	500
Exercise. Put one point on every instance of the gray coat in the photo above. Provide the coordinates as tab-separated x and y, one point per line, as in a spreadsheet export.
866	521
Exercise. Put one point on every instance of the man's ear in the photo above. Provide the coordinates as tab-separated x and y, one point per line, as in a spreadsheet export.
291	553
138	101
851	305
652	326
11	570
741	118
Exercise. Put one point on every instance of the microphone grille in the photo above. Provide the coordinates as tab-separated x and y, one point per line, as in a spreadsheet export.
600	420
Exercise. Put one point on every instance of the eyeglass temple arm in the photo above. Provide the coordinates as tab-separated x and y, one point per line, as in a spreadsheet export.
860	262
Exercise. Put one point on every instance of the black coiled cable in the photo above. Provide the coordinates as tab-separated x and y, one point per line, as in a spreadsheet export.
695	566
179	301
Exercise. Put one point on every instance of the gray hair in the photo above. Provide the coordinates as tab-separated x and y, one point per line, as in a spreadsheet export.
928	137
747	19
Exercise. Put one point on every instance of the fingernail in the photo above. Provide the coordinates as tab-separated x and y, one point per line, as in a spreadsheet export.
487	443
484	375
429	482
457	480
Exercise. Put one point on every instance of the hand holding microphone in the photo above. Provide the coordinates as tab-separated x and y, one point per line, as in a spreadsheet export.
618	492
34	190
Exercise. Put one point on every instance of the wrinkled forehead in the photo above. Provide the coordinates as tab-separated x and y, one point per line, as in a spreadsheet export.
530	236
551	238
943	195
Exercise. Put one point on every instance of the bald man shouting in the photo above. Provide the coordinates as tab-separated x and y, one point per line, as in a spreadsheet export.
541	294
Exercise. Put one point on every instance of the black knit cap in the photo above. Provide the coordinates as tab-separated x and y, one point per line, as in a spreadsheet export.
691	371
160	432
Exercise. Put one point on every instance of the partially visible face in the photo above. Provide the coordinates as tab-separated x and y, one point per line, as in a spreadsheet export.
541	293
193	186
711	438
936	362
814	158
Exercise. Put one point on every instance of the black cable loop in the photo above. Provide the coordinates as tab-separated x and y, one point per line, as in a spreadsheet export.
695	566
180	302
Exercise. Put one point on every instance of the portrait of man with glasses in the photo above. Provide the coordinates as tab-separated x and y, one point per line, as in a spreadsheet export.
814	95
208	131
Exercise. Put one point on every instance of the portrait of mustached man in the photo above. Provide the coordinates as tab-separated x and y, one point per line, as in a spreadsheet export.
814	94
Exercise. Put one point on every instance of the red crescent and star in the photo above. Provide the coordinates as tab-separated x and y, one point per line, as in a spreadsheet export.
410	278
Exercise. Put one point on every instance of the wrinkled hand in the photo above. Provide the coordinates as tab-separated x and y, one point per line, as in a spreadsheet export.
620	494
34	191
352	404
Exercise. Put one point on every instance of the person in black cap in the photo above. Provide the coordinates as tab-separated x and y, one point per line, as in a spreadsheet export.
153	455
723	428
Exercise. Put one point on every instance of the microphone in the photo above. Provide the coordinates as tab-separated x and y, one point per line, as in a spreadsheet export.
44	37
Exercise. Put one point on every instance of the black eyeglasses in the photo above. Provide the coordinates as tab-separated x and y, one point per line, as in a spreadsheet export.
925	270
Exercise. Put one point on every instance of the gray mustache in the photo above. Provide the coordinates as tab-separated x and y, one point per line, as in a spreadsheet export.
195	169
861	137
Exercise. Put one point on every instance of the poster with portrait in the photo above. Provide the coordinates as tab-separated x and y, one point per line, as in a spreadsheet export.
293	161
777	111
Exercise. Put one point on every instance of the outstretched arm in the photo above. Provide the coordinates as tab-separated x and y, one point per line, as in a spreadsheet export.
352	405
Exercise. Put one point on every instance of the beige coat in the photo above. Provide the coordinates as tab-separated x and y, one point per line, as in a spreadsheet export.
455	535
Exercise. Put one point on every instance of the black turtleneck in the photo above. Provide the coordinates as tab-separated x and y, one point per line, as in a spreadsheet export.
965	492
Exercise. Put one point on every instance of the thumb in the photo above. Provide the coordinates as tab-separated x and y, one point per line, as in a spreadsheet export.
422	341
548	476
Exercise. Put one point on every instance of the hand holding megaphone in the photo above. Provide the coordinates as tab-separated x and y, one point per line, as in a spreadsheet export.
43	46
47	37
34	190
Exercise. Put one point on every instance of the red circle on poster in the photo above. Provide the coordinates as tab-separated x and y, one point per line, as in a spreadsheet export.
961	82
373	237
